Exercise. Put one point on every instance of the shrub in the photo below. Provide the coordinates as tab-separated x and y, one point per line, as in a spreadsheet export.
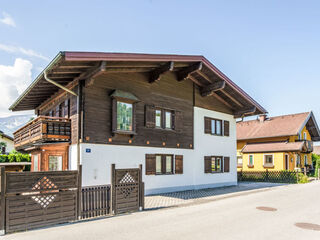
317	167
302	178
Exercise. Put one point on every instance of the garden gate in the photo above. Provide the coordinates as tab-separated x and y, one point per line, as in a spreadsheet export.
127	189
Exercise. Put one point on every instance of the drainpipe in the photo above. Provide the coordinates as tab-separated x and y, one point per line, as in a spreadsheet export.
80	120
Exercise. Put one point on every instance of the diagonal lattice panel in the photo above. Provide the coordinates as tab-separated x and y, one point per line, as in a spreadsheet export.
127	178
44	184
44	200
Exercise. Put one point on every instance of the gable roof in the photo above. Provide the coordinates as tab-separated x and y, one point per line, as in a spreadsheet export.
286	125
68	67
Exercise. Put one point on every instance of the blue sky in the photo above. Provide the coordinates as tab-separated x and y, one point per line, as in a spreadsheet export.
269	48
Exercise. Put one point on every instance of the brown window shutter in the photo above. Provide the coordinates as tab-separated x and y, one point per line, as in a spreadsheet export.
114	114
226	164
207	164
179	164
178	121
207	125
226	128
150	164
150	117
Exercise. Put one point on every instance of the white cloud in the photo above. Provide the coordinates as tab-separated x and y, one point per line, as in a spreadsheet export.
13	81
27	52
7	19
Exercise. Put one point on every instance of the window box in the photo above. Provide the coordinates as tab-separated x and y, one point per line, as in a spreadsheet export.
268	165
250	166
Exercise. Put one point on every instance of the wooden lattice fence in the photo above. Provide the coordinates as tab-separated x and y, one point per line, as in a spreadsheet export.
268	176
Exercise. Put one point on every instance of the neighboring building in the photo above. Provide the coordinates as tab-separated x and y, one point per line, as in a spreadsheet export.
173	114
276	143
316	150
9	145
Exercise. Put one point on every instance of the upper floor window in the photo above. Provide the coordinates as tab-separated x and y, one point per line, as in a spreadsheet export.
162	118
305	160
123	112
216	127
239	161
305	136
124	116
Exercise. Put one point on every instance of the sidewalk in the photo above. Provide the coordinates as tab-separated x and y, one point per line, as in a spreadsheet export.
204	195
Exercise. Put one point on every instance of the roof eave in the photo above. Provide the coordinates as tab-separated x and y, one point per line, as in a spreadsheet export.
53	61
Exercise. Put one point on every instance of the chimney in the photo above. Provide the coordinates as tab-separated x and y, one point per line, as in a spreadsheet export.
262	117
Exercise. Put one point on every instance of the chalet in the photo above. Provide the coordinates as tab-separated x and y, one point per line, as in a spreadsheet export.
277	143
174	114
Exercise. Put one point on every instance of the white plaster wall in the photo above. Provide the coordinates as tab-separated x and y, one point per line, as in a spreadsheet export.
73	157
208	145
96	164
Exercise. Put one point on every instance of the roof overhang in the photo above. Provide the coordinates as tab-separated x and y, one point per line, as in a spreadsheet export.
312	127
69	67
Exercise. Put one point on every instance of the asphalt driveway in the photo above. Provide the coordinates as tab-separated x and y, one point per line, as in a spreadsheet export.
229	218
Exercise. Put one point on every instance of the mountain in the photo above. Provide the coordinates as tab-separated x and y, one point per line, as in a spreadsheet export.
10	124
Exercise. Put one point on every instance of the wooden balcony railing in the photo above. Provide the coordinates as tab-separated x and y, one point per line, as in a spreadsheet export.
43	129
308	145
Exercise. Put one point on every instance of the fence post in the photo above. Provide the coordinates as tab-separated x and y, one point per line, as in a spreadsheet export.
79	191
305	171
3	201
113	189
141	189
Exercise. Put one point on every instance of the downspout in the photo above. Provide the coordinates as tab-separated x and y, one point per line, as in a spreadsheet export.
79	112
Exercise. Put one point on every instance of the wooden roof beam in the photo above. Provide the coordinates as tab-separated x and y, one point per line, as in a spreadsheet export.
232	98
208	90
95	72
242	113
186	72
156	74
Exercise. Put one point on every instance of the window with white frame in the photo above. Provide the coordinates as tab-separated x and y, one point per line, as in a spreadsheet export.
250	160
268	160
239	161
305	136
297	160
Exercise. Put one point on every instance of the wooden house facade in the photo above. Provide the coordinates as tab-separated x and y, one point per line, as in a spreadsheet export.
174	114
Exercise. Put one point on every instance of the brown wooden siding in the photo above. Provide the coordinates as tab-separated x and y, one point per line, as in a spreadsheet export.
167	93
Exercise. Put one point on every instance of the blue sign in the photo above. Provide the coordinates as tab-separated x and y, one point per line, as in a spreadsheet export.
88	150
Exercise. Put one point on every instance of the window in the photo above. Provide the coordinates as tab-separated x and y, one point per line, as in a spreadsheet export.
158	118
305	160
35	162
305	136
164	164
123	112
158	164
161	164
124	116
216	164
55	163
216	127
168	120
239	161
250	163
297	160
3	150
268	160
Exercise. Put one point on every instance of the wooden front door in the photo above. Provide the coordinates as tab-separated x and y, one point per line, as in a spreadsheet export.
286	160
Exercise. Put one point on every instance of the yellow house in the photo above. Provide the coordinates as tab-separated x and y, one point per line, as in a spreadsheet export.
276	143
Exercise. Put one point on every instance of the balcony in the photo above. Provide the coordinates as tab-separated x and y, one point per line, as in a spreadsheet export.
308	145
43	129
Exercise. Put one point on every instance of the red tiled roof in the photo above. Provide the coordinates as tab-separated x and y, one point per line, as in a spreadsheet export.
273	147
287	125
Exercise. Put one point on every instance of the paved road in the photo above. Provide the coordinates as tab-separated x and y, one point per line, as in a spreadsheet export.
231	218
